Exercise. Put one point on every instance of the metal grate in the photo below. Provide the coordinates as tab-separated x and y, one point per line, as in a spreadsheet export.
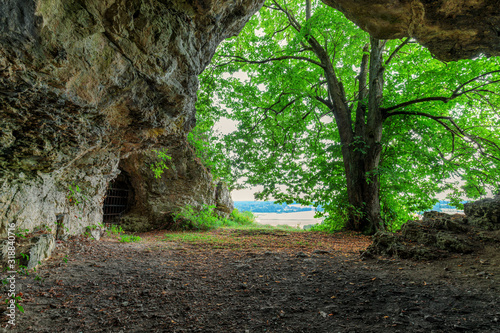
116	202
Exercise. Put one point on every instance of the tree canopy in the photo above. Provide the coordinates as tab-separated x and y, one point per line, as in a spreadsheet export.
371	130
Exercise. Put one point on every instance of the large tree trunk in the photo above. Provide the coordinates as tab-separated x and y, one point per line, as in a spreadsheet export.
361	162
362	153
361	147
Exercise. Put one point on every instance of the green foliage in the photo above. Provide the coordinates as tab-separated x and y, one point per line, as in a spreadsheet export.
242	218
115	230
16	299
336	215
75	196
206	141
129	238
190	218
288	141
497	191
77	199
22	233
159	166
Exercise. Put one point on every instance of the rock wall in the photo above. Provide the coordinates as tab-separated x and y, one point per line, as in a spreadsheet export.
185	182
83	83
450	29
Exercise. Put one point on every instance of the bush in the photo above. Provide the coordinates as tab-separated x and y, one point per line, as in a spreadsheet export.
205	219
242	218
115	230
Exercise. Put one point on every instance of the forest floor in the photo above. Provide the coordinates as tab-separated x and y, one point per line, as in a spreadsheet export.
247	281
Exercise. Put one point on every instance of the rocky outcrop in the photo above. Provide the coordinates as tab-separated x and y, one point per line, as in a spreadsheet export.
484	213
437	235
83	83
186	182
450	29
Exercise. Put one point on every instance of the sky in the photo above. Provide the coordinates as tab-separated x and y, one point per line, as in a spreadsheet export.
245	194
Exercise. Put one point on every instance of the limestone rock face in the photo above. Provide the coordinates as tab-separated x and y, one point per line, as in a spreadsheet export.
83	83
41	250
185	182
484	213
224	204
450	29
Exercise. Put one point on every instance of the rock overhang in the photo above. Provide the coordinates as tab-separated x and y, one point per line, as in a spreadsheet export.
450	29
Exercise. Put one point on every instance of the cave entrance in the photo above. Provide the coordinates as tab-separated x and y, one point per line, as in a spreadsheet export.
118	199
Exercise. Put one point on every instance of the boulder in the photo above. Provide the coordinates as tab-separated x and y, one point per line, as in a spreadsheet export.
95	232
41	249
224	204
437	235
484	213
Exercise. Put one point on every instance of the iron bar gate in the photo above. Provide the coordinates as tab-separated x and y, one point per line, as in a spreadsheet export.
116	202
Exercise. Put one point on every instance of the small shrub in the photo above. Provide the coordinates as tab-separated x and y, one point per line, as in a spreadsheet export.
204	219
159	166
242	218
129	238
115	230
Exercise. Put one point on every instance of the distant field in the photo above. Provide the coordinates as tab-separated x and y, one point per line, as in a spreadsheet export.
299	219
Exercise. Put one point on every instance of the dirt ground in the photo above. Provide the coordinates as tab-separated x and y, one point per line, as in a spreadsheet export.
256	282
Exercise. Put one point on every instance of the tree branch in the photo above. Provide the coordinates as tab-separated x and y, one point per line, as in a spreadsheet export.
443	99
359	124
396	51
415	101
473	79
326	102
456	130
423	114
241	59
281	30
308	9
295	24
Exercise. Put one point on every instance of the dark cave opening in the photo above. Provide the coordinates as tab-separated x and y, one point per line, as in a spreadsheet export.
118	200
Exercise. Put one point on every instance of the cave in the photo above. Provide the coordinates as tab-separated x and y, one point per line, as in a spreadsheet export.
118	200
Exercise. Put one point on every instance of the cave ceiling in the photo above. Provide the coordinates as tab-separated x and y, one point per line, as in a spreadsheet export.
450	29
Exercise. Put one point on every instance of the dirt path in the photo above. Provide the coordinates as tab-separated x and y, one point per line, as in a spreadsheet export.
288	282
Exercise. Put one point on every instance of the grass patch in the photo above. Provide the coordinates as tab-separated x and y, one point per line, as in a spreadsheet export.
257	226
114	230
191	237
129	238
